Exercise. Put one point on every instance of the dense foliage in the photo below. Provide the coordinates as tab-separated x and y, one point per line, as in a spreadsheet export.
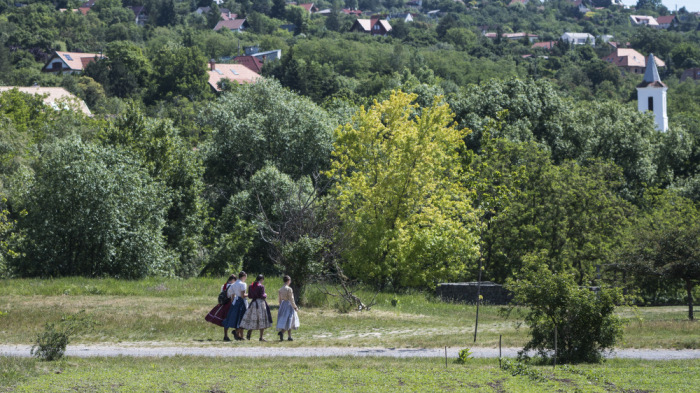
451	147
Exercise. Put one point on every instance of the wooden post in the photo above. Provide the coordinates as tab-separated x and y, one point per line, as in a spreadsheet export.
555	347
500	337
446	356
478	299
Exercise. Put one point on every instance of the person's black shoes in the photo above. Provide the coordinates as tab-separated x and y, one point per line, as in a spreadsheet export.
281	334
290	339
248	335
227	339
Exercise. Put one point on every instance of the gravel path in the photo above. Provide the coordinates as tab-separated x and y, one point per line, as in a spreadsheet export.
231	351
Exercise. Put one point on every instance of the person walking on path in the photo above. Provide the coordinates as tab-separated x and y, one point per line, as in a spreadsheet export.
239	305
287	317
258	316
220	311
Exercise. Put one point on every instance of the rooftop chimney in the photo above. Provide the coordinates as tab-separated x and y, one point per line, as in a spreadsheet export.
212	64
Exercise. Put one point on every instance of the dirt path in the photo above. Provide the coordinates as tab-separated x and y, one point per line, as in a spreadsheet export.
230	350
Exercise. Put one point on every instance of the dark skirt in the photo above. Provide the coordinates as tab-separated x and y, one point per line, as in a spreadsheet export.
235	314
218	314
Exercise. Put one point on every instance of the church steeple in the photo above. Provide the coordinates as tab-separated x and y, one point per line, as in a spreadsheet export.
651	74
651	94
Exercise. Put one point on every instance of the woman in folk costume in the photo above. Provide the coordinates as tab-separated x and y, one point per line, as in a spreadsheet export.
258	316
239	305
287	318
220	311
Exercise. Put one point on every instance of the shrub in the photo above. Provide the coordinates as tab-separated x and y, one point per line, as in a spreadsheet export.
343	306
585	320
464	355
94	212
51	344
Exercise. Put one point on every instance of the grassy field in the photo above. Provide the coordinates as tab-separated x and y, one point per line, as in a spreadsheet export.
186	374
172	311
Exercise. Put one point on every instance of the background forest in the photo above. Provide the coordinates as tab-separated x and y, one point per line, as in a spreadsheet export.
398	161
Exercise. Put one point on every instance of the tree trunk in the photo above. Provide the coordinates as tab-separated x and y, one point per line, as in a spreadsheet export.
689	289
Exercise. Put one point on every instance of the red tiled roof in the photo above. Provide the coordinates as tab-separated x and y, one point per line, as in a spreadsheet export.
77	61
627	57
235	72
252	62
231	24
665	20
545	44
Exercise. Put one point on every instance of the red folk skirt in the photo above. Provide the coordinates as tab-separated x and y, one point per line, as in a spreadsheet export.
218	314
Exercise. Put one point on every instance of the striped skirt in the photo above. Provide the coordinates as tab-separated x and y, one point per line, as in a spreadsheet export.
287	317
235	313
218	314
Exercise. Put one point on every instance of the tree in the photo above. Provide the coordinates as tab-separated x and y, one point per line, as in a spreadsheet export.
584	320
259	124
180	71
403	210
93	211
666	243
170	160
213	15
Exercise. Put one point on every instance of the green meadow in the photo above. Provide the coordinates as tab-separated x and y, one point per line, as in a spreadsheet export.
172	311
215	375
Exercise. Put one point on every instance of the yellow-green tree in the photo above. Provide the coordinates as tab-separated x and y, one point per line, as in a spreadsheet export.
407	220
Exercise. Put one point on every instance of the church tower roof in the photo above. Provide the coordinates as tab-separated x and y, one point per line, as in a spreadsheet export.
651	74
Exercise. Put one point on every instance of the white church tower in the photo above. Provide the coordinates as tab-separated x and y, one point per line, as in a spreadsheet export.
651	95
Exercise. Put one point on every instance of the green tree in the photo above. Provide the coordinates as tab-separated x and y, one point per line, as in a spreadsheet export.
585	321
180	71
263	123
404	212
665	243
93	211
168	158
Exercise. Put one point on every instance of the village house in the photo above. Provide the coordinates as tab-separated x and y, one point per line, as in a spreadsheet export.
236	25
57	98
415	4
630	61
251	62
515	2
348	11
406	17
372	26
667	21
581	6
578	38
644	20
236	73
70	62
692	74
226	14
513	36
140	15
544	45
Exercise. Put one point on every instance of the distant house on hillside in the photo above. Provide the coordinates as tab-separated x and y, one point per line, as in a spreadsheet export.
578	38
55	97
226	14
140	14
513	36
236	73
631	61
348	11
407	17
251	62
644	20
415	4
310	7
666	22
515	2
581	6
544	45
691	73
371	26
236	25
70	62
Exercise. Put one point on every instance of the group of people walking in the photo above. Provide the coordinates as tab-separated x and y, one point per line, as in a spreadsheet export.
234	311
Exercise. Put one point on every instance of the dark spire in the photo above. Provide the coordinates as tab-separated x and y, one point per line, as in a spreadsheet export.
651	74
